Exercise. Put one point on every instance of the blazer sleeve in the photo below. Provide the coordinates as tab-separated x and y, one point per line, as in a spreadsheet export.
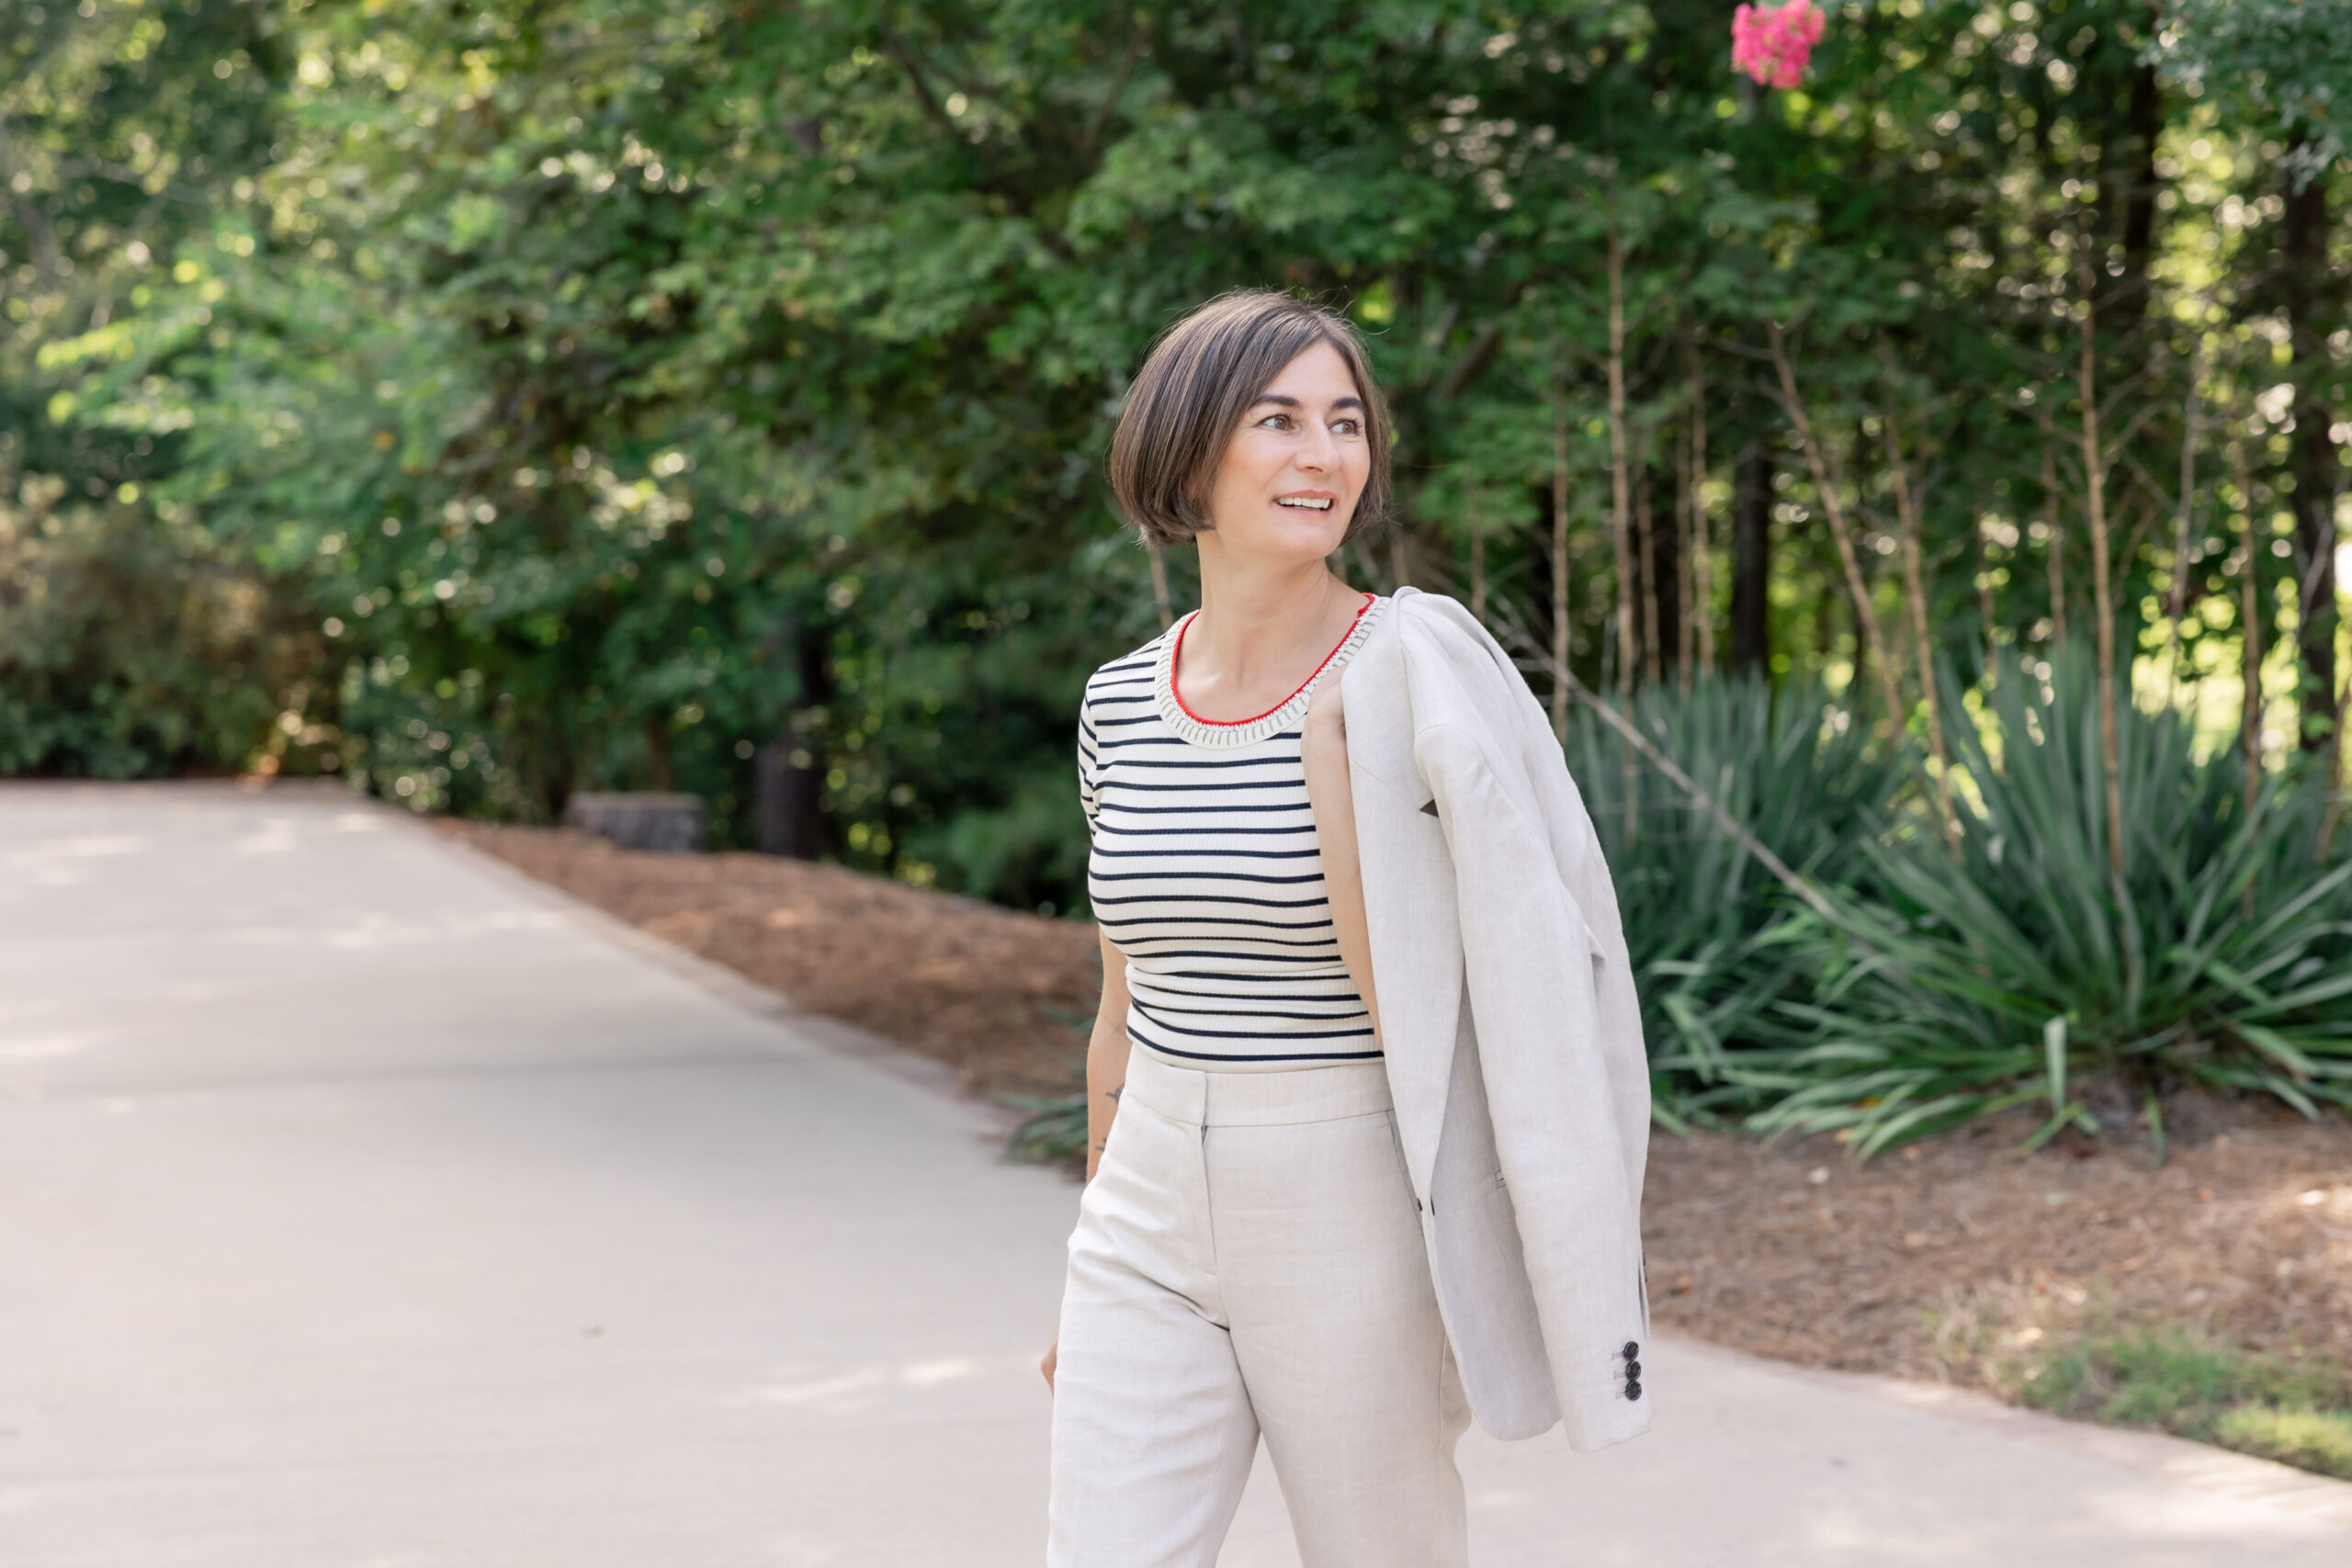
1531	967
1584	871
1522	733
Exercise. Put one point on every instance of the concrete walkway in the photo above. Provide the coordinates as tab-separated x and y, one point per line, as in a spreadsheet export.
365	1206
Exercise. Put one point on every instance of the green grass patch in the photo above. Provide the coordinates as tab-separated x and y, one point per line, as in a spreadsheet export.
2298	1413
2311	1439
1054	1131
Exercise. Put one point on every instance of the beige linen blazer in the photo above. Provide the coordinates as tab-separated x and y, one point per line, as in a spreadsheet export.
1512	1036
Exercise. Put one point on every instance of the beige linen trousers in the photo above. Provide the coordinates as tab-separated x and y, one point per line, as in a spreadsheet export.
1247	1260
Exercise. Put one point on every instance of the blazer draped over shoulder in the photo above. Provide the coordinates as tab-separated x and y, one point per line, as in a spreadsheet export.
1511	1032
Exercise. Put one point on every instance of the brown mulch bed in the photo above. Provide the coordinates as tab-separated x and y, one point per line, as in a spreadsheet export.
1949	1259
1954	1258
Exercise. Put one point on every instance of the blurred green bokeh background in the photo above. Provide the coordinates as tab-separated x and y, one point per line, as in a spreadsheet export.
488	402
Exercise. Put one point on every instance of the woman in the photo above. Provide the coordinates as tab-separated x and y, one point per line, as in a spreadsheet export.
1367	1097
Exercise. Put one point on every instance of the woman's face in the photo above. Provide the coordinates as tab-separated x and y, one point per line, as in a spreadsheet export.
1292	473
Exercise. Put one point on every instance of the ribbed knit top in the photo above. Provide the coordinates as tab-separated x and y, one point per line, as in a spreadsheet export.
1204	872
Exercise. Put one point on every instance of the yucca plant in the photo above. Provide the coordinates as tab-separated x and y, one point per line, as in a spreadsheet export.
1708	927
2005	969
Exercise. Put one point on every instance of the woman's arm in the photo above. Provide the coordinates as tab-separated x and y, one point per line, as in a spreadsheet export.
1106	1075
1323	751
1106	1056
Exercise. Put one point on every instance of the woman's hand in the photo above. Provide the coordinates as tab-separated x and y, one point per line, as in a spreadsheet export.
1046	1363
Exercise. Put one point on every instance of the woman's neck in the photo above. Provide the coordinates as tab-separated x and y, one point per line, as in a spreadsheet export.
1260	633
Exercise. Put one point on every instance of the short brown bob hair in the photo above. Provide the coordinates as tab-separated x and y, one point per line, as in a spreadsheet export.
1201	376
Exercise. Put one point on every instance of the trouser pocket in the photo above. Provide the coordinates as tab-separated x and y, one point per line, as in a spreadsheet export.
1403	1168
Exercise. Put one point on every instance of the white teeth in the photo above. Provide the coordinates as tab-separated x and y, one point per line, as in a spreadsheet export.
1304	504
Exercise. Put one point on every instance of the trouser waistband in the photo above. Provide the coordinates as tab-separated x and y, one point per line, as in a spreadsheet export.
1255	1100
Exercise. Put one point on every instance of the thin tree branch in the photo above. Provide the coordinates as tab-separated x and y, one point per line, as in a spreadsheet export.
1631	734
1915	594
932	107
1102	116
1866	625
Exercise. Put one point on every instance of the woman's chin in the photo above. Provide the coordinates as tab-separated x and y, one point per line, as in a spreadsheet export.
1283	540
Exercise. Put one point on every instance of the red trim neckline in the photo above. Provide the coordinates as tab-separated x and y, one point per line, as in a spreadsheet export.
1176	657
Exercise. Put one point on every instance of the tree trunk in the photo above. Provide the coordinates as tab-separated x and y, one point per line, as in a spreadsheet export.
2102	587
1686	495
2184	515
657	755
1560	568
1620	475
1667	573
790	769
1869	642
2334	813
1914	594
1751	561
1865	671
1652	572
2137	186
1478	559
2054	546
1703	563
2249	625
1987	615
2306	286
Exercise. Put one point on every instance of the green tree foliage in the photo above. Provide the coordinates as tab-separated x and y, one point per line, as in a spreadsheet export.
503	400
131	642
2283	63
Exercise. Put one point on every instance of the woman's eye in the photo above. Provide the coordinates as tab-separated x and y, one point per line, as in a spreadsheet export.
1274	421
1347	427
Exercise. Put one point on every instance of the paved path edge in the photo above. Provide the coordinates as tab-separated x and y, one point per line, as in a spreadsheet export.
875	1052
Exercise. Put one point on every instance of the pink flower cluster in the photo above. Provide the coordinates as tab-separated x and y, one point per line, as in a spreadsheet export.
1773	43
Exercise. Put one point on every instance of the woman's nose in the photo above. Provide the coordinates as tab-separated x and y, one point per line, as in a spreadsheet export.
1317	452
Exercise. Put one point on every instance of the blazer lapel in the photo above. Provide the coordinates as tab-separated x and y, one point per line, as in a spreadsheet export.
1408	896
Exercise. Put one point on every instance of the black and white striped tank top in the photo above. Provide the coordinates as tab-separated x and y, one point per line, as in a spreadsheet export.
1204	872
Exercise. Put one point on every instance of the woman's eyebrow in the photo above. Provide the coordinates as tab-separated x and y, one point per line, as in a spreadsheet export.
1285	401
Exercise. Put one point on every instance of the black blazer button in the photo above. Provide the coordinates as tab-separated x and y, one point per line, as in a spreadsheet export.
1633	1348
1633	1391
1633	1371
